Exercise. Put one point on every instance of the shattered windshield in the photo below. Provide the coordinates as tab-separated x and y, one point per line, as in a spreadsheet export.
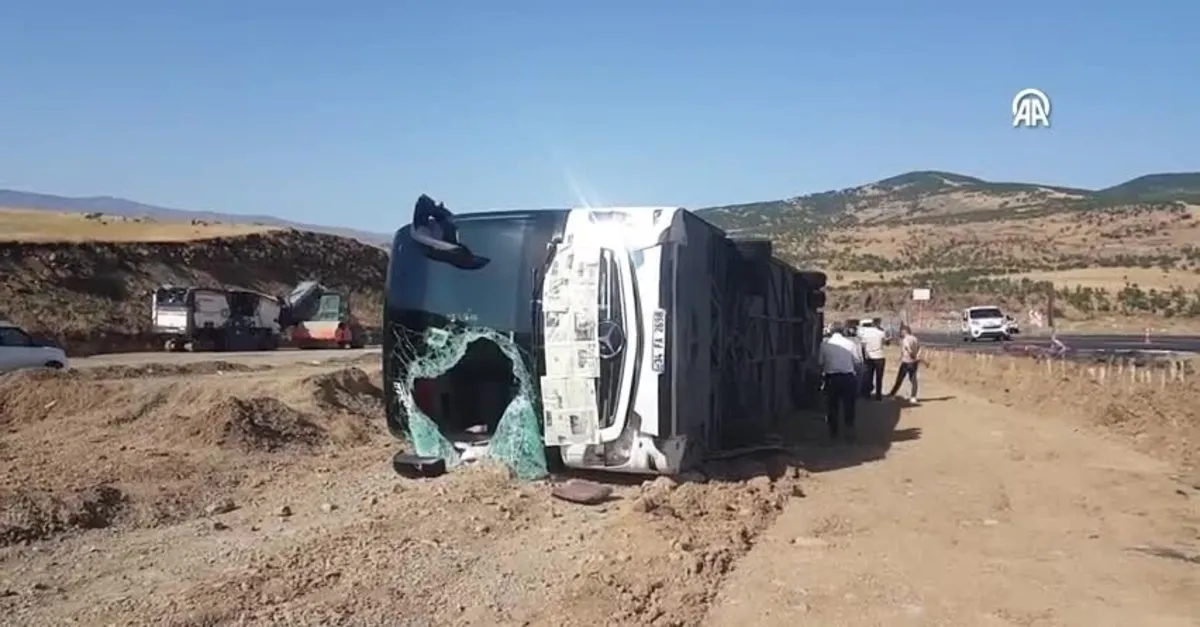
496	296
446	384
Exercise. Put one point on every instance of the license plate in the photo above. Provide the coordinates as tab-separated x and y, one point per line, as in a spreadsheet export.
658	341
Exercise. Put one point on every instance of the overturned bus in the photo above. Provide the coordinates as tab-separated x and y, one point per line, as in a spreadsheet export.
624	339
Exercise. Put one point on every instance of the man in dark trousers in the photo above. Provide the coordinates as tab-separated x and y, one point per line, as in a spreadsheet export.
872	338
910	360
841	360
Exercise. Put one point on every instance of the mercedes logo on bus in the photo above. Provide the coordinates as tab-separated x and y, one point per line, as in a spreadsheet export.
612	338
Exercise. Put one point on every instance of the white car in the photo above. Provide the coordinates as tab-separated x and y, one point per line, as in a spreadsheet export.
20	350
984	323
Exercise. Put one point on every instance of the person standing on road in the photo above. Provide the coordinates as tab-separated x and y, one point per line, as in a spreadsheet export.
872	340
841	361
910	359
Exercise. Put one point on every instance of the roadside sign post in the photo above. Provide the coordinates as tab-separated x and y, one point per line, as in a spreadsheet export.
920	296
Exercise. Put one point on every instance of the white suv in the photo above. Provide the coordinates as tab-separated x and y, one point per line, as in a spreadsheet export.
19	350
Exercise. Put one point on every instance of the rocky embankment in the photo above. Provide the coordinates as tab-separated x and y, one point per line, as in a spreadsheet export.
95	296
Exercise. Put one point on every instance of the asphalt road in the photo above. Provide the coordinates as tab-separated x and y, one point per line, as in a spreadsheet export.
1090	343
282	356
1078	343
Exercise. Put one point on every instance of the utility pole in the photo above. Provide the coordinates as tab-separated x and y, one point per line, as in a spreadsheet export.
1050	308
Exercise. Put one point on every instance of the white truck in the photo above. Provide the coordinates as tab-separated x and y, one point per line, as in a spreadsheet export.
984	323
199	319
233	319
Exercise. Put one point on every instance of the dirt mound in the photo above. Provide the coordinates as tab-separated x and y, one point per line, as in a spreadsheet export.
349	390
171	439
667	554
92	296
200	404
286	471
262	423
28	515
34	395
162	370
478	549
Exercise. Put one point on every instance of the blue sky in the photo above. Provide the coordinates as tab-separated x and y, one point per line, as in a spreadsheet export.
342	113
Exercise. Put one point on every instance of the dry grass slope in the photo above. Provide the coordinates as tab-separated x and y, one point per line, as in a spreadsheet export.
27	225
1114	279
1129	251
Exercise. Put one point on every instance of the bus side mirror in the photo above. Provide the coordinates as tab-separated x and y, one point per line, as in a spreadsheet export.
434	229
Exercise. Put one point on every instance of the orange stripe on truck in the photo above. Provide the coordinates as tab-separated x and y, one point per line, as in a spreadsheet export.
318	331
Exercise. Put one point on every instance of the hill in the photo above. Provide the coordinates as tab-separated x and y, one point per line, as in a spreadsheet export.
34	225
81	270
108	205
1127	251
93	296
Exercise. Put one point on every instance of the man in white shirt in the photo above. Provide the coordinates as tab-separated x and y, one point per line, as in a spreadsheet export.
841	360
872	340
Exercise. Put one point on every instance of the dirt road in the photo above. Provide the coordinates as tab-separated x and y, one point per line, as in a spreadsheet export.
979	515
213	494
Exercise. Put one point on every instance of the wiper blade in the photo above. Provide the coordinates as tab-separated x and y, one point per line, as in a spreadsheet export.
434	229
